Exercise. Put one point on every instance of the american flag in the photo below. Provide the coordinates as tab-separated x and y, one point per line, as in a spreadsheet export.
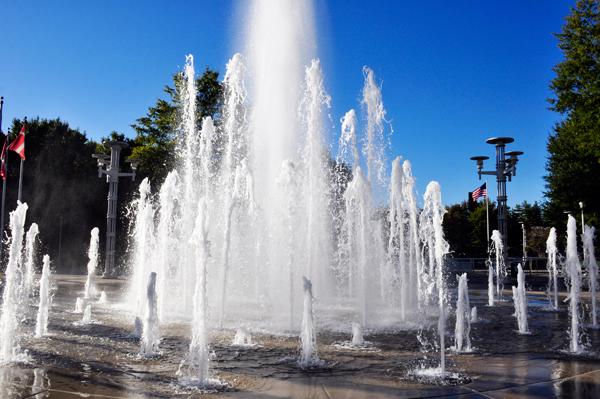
480	192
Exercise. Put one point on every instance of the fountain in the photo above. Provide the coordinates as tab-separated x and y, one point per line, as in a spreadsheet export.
573	274
41	327
150	335
592	267
10	317
520	301
357	335
552	267
28	280
87	315
462	329
500	263
92	264
79	305
308	334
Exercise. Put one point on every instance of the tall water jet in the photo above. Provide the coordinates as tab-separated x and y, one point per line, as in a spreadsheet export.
143	232
150	335
520	301
436	248
317	235
92	263
415	290
374	150
396	242
198	357
28	280
41	326
573	271
234	130
552	267
358	218
500	265
308	334
462	329
357	335
10	318
592	267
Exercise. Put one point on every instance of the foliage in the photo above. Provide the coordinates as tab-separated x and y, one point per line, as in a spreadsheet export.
157	132
573	164
60	186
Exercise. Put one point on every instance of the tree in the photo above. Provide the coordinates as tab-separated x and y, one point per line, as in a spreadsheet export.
60	186
156	139
457	228
573	164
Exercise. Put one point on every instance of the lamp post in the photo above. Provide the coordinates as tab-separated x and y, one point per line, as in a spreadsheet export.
505	167
582	219
524	242
112	178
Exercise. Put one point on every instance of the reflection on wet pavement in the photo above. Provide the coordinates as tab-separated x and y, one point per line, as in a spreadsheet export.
100	360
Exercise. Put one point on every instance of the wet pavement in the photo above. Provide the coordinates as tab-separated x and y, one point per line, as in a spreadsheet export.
100	360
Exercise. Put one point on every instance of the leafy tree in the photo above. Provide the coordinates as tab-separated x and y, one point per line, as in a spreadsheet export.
156	133
573	164
478	226
60	186
457	228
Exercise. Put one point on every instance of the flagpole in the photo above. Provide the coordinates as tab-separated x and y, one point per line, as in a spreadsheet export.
21	173
3	185
487	213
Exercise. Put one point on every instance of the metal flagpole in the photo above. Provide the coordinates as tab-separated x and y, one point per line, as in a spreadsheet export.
21	173
487	213
3	183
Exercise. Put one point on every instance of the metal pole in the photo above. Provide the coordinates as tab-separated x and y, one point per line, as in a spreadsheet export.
487	213
3	184
21	173
582	219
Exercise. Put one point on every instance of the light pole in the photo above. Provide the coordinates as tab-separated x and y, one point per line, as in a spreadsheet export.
112	178
524	242
505	167
582	219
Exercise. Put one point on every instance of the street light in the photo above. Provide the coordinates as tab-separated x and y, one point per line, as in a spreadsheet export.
582	219
505	167
112	178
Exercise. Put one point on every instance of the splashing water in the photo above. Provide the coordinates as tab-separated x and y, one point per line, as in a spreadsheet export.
28	281
592	267
308	335
552	267
93	263
150	335
520	301
41	327
242	337
357	335
10	319
79	305
87	315
573	271
463	317
500	262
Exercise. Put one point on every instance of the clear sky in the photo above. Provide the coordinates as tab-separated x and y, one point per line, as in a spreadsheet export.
453	74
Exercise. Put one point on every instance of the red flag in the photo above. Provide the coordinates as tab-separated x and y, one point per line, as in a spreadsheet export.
3	158
18	145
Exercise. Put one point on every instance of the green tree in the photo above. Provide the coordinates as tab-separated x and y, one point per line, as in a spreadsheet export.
479	230
60	186
457	228
156	133
573	164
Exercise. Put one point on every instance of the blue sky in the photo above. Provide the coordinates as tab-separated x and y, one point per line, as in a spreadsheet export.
453	74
